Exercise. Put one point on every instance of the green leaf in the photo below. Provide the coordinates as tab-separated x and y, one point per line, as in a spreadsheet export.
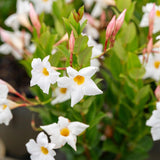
110	146
121	5
133	61
137	73
97	119
84	57
62	49
142	95
119	50
130	11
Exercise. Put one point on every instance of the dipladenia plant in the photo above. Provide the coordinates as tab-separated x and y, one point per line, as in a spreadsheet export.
95	71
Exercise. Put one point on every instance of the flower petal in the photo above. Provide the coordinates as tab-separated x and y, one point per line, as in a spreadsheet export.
88	71
50	129
71	72
155	133
90	88
76	95
77	127
64	82
63	122
32	147
71	140
42	139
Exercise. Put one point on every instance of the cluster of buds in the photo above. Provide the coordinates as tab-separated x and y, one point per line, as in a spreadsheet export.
113	28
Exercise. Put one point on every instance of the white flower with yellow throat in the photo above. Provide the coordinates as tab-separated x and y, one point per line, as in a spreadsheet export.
43	74
64	132
61	95
42	149
152	67
79	83
5	113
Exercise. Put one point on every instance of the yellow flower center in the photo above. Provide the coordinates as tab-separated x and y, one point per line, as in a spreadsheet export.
64	132
63	90
158	13
4	106
79	79
156	64
44	150
45	0
45	72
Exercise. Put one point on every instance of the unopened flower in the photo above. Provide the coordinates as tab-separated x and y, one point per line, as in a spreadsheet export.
5	113
20	17
34	19
152	66
157	93
14	42
61	94
64	132
43	74
41	150
154	122
43	5
79	83
145	19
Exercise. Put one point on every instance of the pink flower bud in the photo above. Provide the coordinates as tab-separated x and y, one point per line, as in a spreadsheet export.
157	93
120	21
71	42
151	21
110	27
109	31
4	35
71	47
11	89
34	19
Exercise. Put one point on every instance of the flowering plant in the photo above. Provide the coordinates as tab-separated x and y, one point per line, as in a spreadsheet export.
92	70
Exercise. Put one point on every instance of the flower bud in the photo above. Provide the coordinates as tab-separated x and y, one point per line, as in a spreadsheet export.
34	19
120	21
157	93
71	42
4	35
151	21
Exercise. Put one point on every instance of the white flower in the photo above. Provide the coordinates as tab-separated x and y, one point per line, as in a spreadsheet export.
79	83
42	150
89	29
154	122
43	74
64	132
152	66
16	41
20	17
61	94
96	51
100	5
88	3
43	5
145	19
5	113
